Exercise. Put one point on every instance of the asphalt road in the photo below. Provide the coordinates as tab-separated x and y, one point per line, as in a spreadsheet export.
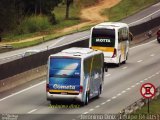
143	16
121	88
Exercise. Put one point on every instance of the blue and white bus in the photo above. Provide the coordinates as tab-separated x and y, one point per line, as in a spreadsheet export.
75	73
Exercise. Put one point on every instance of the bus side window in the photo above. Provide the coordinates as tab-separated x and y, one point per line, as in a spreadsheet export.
97	63
119	36
126	37
87	66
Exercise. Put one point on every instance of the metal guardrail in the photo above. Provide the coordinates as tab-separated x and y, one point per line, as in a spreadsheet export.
138	104
12	68
6	47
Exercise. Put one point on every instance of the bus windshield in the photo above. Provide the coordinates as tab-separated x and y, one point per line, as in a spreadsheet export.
103	37
64	67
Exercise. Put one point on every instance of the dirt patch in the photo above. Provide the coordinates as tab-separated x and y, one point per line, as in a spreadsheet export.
92	15
22	41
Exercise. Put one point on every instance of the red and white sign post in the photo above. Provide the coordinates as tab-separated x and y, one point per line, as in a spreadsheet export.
148	91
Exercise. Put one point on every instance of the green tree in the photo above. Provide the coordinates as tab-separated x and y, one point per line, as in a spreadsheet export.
40	6
7	15
12	12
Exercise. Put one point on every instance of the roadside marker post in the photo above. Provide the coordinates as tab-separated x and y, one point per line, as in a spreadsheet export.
148	91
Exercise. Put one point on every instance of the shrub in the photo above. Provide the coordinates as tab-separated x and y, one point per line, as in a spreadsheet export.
33	24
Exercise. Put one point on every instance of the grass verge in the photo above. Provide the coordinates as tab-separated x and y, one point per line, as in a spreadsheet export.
154	107
45	39
126	8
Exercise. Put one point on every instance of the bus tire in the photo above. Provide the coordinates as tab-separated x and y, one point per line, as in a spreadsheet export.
158	40
127	56
99	91
51	102
118	64
86	99
124	62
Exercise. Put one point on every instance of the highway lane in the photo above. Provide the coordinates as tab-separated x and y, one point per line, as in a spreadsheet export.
121	88
16	54
138	18
144	15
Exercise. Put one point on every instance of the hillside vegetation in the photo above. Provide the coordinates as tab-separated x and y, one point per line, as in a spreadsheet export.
37	28
46	23
126	8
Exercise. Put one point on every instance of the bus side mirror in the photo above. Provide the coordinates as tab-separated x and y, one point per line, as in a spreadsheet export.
106	69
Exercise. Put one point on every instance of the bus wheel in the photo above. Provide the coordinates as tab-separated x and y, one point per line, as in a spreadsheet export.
118	64
51	102
99	92
124	62
127	57
87	98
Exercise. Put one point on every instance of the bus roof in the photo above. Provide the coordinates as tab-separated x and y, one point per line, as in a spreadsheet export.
76	52
111	25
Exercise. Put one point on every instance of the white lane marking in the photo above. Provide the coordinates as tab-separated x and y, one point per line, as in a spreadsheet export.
157	73
85	113
91	109
87	36
103	103
152	55
114	97
124	68
123	91
137	83
133	86
119	94
141	81
143	44
22	91
57	42
144	17
108	100
107	75
145	79
32	111
128	89
97	106
140	61
153	75
75	40
149	77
